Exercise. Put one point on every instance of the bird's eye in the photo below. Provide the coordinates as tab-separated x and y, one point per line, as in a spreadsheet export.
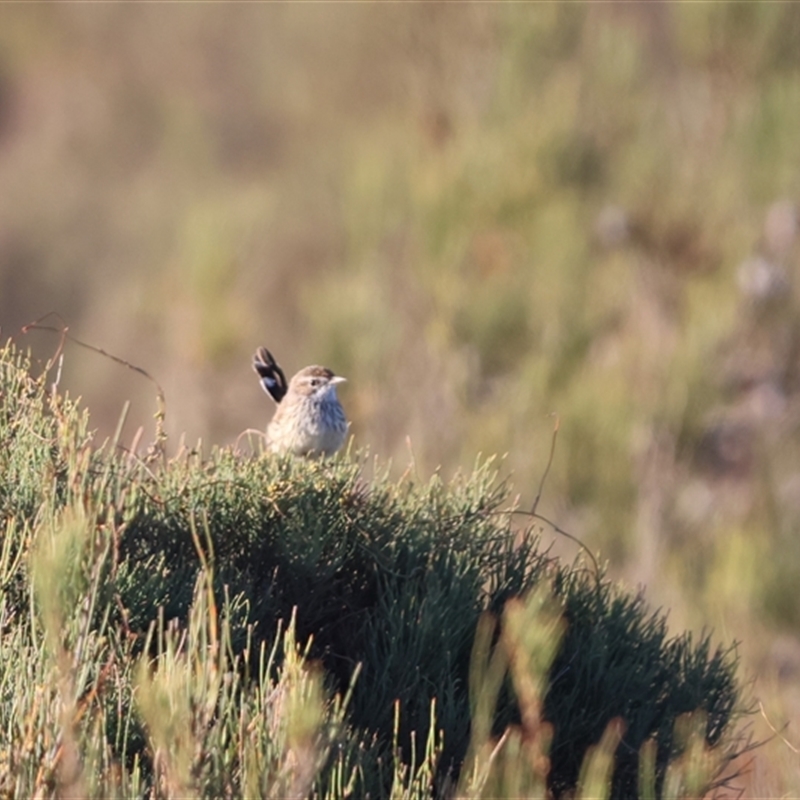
315	382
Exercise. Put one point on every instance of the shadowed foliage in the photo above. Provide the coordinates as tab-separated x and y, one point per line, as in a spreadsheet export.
391	576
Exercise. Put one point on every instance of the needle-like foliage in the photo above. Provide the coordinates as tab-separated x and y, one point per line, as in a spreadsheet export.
236	625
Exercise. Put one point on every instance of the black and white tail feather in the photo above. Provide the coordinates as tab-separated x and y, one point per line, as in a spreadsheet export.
273	380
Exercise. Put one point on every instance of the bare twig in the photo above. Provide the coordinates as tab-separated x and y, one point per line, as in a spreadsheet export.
549	464
559	530
776	731
247	432
157	449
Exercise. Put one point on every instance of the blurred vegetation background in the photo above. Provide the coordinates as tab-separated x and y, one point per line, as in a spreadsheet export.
487	217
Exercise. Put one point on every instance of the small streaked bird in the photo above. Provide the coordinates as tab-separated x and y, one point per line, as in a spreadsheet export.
310	420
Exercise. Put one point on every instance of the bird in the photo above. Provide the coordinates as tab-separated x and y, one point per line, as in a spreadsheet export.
309	421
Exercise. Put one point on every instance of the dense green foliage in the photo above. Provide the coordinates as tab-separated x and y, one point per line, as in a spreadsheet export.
391	576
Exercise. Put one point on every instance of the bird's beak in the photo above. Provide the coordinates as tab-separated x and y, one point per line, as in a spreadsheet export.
338	379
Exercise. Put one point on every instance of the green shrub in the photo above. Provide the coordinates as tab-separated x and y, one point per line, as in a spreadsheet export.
391	579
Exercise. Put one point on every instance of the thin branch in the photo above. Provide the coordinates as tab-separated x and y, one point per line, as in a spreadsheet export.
559	530
776	731
63	331
549	464
261	434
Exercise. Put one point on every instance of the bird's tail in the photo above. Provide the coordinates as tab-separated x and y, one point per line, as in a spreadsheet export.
273	381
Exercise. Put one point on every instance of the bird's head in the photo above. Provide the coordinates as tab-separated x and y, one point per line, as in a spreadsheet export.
315	382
